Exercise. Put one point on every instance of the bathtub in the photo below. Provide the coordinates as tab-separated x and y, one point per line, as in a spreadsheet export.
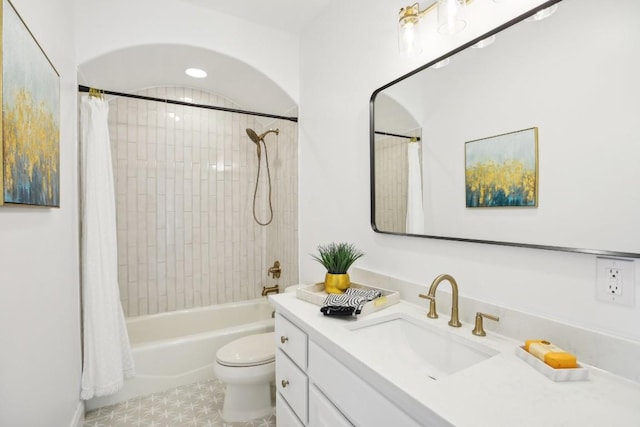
177	348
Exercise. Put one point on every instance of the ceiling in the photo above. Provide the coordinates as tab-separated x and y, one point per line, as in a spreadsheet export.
163	65
290	16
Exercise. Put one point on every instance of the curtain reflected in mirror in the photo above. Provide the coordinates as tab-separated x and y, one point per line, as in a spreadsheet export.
398	137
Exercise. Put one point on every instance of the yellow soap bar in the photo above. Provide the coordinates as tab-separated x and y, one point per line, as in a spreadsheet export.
528	343
551	354
561	360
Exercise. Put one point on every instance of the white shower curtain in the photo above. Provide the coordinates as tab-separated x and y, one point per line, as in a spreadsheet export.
415	210
107	353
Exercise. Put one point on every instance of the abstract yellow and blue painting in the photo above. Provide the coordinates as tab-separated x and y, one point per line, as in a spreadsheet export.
502	170
30	117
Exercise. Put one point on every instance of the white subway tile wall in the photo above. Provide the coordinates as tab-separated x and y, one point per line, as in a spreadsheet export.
391	167
185	179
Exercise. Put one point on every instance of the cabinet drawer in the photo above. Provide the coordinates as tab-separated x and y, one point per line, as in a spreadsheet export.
322	413
292	384
357	400
284	415
292	341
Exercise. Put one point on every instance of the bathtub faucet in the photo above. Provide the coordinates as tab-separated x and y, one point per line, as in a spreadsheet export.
266	290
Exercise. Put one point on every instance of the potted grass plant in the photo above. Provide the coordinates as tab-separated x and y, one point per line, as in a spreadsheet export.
337	258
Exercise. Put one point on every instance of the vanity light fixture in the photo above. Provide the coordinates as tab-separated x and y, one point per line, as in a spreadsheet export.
195	73
451	20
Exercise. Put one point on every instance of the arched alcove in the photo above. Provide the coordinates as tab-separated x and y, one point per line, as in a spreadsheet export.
157	65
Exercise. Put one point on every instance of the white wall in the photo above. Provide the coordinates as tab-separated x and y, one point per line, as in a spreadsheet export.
40	361
342	62
103	27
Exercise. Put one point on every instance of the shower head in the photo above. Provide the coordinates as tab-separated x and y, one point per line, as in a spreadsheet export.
257	138
253	135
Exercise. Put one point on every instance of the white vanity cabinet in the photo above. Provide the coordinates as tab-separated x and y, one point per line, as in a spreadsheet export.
360	403
291	373
322	413
316	390
285	415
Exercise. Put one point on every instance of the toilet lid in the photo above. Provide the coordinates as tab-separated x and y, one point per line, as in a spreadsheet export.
251	350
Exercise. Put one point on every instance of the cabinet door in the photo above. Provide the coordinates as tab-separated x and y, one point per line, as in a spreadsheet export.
322	413
292	384
285	417
363	404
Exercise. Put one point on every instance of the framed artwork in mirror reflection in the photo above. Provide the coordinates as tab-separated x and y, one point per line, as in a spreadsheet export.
502	170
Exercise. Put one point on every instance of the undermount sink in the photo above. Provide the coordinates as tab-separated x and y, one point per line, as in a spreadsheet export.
414	344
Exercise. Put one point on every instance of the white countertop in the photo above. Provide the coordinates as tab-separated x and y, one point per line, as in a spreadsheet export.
500	391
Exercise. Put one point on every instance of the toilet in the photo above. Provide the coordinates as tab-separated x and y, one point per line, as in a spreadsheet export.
247	367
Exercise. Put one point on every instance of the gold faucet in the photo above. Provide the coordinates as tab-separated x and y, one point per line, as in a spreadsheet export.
275	270
266	290
455	321
478	330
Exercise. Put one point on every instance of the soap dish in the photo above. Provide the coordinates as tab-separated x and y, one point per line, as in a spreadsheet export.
569	374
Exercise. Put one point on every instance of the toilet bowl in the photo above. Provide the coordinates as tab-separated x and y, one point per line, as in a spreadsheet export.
247	367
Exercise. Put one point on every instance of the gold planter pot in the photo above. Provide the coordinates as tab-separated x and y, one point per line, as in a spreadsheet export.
336	283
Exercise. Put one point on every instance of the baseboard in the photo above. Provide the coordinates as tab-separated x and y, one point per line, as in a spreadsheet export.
78	416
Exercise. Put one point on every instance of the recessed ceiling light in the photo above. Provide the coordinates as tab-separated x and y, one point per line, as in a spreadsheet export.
196	73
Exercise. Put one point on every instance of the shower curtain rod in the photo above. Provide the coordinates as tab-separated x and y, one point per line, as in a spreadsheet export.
396	135
82	88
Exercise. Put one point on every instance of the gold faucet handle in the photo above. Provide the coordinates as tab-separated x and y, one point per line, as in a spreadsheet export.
478	330
433	314
275	271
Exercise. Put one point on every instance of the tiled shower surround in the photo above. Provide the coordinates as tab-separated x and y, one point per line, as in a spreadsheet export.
185	179
391	183
391	170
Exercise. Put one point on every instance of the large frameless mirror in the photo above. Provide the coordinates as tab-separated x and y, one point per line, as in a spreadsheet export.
529	141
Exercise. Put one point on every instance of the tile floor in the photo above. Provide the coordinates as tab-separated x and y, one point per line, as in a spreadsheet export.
192	405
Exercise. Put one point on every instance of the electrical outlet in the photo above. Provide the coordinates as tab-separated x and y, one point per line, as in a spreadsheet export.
615	281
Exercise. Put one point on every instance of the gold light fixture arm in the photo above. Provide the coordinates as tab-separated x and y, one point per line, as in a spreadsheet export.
412	13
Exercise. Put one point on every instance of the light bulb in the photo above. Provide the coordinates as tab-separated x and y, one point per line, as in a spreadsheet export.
451	16
409	41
